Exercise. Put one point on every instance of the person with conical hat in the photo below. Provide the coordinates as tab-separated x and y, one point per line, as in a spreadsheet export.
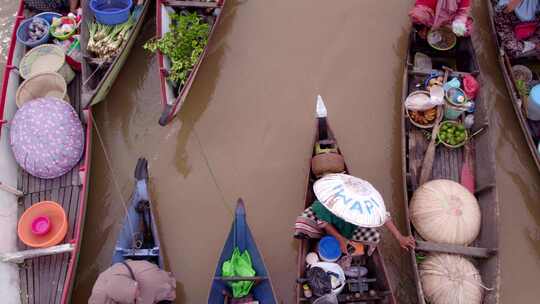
348	208
134	282
454	14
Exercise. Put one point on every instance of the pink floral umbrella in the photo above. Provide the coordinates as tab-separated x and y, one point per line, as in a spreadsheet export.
47	137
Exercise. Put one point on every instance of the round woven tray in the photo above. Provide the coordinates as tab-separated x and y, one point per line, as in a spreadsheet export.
48	84
46	58
412	120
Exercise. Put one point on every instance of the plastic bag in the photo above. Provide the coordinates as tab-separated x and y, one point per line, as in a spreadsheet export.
454	83
239	265
459	27
470	86
319	281
422	101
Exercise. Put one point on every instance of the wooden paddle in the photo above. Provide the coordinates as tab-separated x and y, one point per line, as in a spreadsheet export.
467	171
429	156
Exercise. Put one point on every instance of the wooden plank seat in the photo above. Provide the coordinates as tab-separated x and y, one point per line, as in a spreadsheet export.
424	73
140	252
21	256
238	279
475	252
363	296
202	4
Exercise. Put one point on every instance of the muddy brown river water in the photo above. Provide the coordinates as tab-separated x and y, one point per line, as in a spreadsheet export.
246	131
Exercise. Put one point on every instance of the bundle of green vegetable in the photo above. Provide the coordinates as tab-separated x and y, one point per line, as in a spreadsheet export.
522	88
105	40
183	44
452	134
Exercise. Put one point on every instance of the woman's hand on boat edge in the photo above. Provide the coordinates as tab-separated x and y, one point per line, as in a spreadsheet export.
407	242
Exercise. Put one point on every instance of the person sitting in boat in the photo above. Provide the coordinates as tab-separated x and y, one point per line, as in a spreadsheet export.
317	220
61	6
516	26
342	193
525	10
140	282
437	13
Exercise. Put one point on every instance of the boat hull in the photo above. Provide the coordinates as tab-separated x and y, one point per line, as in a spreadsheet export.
94	96
515	98
49	278
9	273
172	104
448	164
374	263
139	238
240	235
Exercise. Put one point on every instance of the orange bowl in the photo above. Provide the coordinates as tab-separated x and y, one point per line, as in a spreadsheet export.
58	221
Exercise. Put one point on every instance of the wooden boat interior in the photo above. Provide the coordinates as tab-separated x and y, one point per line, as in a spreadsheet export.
448	162
355	290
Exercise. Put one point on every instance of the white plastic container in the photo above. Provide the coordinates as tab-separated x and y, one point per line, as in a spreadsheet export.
533	104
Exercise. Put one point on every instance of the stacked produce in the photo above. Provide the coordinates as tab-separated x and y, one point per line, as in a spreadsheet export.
455	98
183	44
424	117
452	133
105	40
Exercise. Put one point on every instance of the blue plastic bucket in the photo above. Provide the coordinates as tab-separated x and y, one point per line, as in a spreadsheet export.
453	108
533	104
111	12
48	16
22	33
329	250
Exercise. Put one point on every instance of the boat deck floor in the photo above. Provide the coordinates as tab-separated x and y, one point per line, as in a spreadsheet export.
42	279
447	163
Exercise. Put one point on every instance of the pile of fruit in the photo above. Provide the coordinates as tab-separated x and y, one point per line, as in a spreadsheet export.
452	133
426	117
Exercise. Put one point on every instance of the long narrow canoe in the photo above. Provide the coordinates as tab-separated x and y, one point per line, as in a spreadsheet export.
173	95
448	164
383	294
97	79
139	238
47	275
530	128
240	236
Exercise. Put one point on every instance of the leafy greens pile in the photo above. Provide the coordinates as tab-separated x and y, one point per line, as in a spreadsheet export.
183	44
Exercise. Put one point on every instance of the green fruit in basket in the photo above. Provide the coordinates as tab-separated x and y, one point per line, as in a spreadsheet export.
461	128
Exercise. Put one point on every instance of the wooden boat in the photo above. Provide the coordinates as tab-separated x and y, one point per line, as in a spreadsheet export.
47	275
240	236
139	238
98	79
377	275
172	94
448	164
530	128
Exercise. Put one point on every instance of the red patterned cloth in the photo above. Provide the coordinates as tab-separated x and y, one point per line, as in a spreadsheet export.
436	13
